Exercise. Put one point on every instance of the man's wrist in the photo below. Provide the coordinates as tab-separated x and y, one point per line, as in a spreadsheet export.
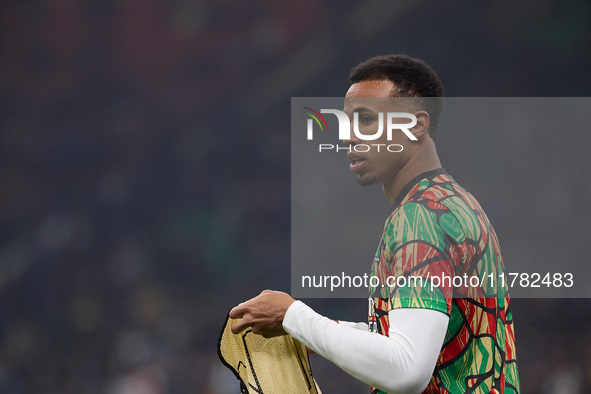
291	313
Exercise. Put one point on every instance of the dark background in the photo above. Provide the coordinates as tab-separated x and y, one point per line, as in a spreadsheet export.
144	172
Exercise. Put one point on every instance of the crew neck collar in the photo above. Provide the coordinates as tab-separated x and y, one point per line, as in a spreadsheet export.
406	189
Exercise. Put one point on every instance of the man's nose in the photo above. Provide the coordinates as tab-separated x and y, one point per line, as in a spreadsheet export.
353	139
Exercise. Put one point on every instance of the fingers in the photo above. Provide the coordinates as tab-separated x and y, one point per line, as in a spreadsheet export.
240	326
264	313
238	311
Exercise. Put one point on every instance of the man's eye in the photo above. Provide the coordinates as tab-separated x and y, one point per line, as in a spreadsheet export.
365	119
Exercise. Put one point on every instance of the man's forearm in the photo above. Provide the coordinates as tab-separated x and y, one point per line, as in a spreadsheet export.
402	363
357	325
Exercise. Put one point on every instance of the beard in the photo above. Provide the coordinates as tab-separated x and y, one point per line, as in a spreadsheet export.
366	180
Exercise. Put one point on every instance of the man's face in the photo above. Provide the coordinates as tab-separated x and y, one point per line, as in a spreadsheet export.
373	166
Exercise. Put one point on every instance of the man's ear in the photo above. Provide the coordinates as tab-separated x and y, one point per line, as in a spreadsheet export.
422	126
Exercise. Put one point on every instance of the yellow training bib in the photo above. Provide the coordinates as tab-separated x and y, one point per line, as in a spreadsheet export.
277	365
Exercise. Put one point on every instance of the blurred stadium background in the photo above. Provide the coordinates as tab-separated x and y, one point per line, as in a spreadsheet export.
144	170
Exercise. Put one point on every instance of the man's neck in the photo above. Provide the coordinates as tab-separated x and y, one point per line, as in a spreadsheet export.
427	160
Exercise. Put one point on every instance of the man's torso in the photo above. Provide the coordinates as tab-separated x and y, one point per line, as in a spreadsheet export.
439	251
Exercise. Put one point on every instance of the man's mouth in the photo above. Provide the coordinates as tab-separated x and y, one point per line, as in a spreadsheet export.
356	165
356	162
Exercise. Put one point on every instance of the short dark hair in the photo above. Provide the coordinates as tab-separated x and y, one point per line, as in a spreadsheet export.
412	78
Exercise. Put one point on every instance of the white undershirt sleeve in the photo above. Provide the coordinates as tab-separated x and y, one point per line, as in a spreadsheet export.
357	325
399	364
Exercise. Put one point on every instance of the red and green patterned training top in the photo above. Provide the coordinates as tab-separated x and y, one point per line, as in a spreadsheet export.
438	230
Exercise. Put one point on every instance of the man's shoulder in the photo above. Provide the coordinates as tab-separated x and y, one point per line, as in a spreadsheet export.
438	188
430	193
440	201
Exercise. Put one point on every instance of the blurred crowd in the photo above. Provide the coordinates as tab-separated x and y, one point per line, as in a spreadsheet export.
144	167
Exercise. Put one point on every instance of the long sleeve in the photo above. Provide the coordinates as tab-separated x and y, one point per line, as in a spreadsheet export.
399	364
